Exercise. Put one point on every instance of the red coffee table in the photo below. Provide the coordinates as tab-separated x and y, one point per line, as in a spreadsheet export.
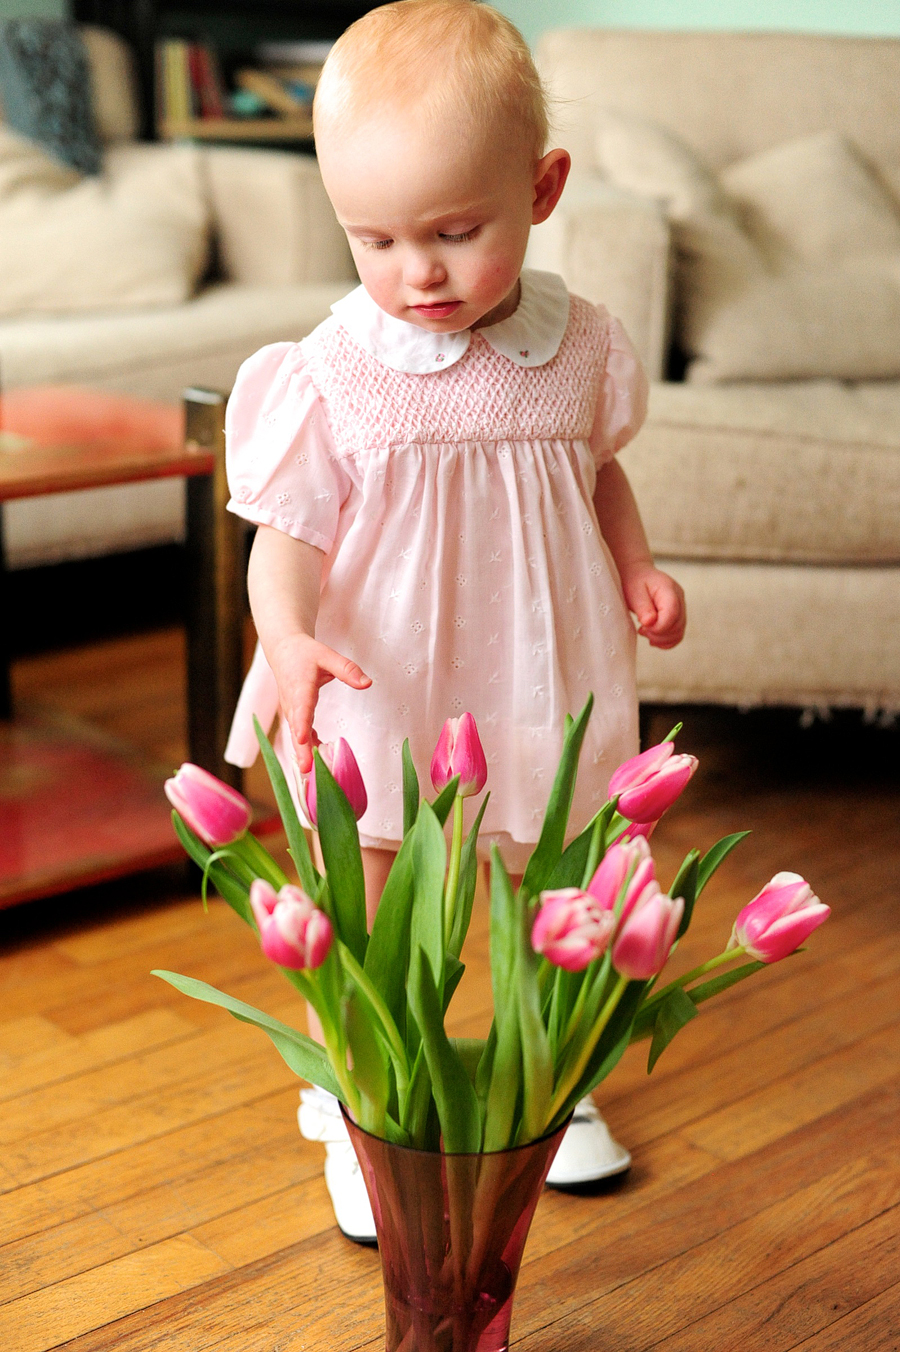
77	807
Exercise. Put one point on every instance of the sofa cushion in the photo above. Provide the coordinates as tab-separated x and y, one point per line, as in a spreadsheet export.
814	201
759	634
157	353
136	236
804	473
788	265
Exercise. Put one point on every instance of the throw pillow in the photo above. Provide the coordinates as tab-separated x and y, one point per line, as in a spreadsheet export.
45	89
788	264
133	237
814	201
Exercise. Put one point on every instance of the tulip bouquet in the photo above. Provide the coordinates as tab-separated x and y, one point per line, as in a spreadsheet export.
577	948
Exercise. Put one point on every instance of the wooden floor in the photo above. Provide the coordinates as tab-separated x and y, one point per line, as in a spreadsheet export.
156	1194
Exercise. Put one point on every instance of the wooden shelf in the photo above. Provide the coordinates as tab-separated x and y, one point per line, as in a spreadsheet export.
239	129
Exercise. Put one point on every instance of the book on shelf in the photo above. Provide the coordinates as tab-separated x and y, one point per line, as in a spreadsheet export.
189	83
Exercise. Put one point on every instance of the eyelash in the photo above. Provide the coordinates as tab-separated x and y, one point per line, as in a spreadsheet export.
448	239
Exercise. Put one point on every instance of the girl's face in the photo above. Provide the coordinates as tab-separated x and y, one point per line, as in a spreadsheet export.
437	224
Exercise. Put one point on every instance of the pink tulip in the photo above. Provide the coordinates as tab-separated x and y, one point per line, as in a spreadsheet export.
342	764
214	811
645	939
571	929
649	783
621	859
292	931
459	752
777	920
638	829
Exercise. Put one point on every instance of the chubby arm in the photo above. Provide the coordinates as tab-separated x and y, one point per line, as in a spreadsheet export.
284	580
655	598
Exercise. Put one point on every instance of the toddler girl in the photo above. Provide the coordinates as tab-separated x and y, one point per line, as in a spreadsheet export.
442	524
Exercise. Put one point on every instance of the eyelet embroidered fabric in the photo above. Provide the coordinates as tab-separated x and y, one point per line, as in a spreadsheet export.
464	567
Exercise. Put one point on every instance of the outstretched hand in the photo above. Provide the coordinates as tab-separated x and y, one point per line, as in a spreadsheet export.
658	603
302	665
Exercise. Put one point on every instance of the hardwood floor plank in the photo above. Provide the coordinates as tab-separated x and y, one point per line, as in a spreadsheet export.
152	1115
77	1305
803	1300
227	1193
874	1327
171	1158
71	1056
799	1098
722	1083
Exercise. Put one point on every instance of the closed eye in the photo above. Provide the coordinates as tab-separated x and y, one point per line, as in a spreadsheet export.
459	239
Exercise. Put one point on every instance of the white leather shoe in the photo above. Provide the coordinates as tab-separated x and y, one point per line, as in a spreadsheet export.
587	1152
319	1119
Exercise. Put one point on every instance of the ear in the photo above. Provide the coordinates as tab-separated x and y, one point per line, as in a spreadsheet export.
550	176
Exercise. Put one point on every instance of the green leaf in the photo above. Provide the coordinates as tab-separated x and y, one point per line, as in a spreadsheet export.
230	888
305	1057
339	839
370	1064
444	802
410	790
537	1063
672	1014
454	1095
470	1050
684	885
468	882
296	836
453	973
387	955
506	1065
429	869
714	857
553	832
612	1044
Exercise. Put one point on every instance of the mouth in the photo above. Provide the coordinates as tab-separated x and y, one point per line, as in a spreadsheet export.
441	310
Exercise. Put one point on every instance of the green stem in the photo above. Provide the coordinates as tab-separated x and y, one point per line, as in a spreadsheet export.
453	870
258	858
570	1080
728	955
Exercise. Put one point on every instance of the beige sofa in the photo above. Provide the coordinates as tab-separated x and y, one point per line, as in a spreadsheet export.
172	269
769	479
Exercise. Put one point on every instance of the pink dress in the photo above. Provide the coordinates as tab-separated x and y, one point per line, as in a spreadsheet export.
449	479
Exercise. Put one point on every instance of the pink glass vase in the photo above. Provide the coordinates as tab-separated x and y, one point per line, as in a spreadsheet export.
451	1231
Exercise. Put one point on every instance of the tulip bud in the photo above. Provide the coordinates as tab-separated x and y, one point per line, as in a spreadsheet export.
646	937
214	811
778	919
342	764
621	859
459	752
649	783
293	932
571	929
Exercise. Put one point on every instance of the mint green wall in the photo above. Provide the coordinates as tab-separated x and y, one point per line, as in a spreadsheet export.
33	9
810	16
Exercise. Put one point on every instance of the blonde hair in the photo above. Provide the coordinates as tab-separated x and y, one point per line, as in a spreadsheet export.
440	56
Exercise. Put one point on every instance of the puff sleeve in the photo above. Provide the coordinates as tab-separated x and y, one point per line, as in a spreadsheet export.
622	405
282	467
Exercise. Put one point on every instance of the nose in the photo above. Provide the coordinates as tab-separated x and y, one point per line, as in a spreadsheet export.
422	269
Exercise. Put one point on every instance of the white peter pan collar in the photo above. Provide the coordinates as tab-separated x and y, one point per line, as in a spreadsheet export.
531	336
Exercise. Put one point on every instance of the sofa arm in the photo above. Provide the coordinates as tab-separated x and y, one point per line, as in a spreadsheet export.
273	221
612	247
